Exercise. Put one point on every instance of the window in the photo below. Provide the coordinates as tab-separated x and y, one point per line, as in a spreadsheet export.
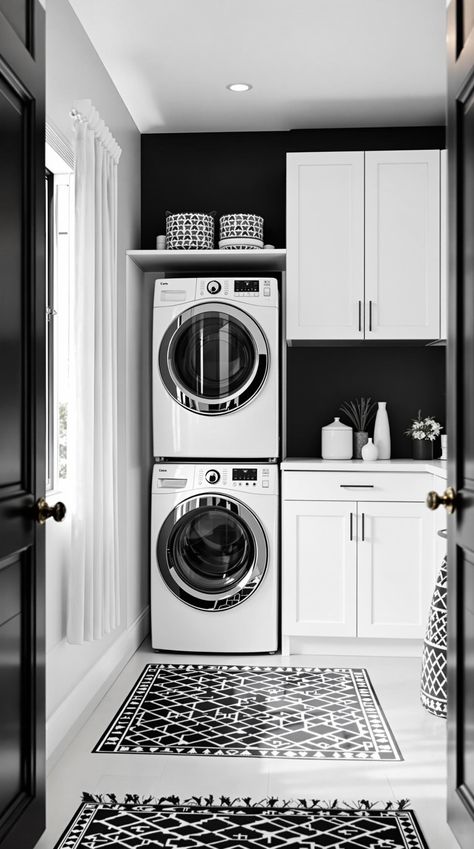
59	218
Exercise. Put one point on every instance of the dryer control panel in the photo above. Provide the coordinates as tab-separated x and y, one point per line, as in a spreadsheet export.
247	289
257	291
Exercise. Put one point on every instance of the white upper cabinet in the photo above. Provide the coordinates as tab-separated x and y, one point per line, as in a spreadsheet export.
363	245
444	246
402	244
325	245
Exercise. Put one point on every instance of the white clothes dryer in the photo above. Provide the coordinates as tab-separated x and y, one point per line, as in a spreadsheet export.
214	558
215	368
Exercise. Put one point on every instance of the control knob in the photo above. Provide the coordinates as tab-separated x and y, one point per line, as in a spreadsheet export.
213	287
213	476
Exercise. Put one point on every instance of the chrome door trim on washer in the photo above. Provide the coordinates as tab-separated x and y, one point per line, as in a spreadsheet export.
232	400
237	591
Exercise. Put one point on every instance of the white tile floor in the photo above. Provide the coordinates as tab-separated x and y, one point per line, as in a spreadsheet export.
421	777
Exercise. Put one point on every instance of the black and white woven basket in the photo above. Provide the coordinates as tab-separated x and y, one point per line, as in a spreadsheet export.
241	224
189	231
434	669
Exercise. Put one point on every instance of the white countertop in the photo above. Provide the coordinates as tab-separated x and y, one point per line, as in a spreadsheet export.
312	464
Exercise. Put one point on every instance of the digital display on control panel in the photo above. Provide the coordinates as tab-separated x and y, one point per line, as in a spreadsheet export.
244	474
246	285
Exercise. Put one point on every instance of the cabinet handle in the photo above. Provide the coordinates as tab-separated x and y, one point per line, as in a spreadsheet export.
356	485
370	315
360	315
363	527
351	528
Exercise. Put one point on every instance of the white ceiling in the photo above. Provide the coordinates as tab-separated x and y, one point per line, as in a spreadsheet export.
312	63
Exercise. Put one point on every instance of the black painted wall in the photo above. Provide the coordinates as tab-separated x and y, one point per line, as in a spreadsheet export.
320	378
246	172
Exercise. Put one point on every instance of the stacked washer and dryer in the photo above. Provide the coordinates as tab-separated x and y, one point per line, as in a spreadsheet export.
214	501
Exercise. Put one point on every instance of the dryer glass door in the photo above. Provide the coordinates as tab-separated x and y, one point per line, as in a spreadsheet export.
212	552
213	359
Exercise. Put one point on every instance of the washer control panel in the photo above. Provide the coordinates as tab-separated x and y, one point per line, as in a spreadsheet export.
172	479
238	477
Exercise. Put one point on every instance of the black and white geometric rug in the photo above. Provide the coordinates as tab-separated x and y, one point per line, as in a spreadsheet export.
238	824
252	711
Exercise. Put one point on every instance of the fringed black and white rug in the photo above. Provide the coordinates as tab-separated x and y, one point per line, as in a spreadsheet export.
252	711
223	823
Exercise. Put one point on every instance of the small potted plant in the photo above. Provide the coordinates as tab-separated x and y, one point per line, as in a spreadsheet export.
360	412
423	432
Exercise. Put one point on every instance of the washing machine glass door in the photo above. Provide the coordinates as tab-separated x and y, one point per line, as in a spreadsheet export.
213	358
212	552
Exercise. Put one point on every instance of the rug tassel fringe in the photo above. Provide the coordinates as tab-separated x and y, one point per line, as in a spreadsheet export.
132	799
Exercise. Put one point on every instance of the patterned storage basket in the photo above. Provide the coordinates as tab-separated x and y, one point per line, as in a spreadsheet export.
241	224
434	661
189	231
240	248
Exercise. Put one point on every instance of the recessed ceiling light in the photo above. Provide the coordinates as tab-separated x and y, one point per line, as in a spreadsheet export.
239	87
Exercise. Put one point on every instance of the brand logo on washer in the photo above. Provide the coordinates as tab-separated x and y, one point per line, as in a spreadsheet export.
163	470
163	282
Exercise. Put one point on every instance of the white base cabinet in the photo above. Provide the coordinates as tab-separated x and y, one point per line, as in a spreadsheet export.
320	583
357	568
396	569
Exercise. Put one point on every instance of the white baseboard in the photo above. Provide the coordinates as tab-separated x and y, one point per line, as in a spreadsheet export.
360	646
63	725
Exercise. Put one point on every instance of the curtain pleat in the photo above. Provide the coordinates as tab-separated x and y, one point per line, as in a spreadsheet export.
94	581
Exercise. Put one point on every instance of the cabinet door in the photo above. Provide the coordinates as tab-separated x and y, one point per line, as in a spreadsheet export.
396	569
402	260
319	568
443	252
325	245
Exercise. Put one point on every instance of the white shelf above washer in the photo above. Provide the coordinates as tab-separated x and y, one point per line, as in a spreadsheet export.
215	260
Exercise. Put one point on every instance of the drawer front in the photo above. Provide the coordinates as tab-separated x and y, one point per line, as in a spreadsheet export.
355	486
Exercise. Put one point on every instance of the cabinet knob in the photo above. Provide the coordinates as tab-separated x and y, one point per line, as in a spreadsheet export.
447	499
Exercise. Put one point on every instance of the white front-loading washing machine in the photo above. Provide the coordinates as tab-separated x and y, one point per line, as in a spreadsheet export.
215	368
214	557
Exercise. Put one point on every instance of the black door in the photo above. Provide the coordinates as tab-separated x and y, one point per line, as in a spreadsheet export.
461	421
22	413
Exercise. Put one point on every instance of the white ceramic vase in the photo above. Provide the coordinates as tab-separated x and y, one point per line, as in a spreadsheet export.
369	451
382	432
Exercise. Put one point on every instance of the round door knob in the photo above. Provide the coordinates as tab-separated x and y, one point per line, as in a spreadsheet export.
448	500
213	476
213	287
43	511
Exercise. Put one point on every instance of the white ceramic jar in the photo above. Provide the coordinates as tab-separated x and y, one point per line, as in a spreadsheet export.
336	441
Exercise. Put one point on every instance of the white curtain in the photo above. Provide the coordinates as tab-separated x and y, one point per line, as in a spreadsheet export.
93	592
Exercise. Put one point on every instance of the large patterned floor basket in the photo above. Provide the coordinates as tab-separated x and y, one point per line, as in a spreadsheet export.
434	661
